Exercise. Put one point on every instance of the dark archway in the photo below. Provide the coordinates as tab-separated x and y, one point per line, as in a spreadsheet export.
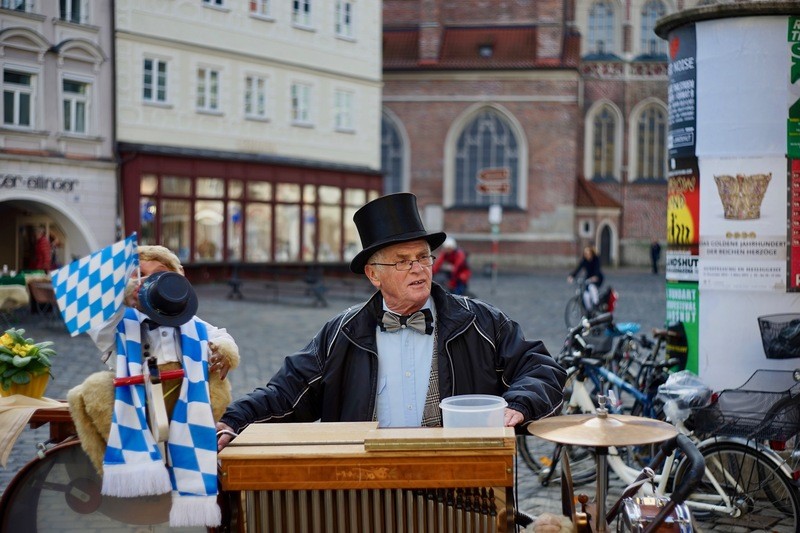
605	246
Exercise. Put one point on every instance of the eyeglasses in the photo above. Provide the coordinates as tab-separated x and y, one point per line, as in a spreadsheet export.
408	264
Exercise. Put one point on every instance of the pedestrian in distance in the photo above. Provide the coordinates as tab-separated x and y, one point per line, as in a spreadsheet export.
655	255
395	356
42	250
451	269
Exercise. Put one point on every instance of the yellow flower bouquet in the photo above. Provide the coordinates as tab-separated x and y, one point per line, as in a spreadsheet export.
24	364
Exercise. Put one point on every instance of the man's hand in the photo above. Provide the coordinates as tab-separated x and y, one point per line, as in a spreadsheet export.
512	418
225	435
216	362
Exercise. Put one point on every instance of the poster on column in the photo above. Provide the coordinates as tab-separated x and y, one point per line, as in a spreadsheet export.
793	118
683	219
743	221
683	303
682	97
793	228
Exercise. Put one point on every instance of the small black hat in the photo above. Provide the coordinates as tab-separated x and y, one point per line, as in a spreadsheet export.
168	299
388	220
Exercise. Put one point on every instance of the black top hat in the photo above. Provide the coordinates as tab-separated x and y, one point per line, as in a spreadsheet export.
167	298
388	220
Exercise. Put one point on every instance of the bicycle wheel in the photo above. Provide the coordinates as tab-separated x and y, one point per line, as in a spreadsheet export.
762	497
573	312
640	456
61	491
540	454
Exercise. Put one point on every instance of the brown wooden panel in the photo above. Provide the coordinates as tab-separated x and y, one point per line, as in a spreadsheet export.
379	472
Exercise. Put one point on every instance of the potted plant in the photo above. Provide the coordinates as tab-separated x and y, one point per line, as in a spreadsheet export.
24	364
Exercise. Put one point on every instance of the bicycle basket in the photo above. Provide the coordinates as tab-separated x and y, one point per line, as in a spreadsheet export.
771	413
780	335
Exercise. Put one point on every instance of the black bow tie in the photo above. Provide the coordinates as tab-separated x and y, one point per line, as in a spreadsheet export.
151	324
421	321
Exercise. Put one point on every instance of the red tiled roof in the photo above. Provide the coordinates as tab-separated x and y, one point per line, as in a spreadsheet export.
513	47
589	195
400	48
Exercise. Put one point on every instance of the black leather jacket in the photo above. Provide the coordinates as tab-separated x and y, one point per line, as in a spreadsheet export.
334	378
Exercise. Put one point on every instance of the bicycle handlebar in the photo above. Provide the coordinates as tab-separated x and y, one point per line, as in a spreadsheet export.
589	323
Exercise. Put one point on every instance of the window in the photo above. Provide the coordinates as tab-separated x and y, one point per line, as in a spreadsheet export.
650	43
330	223
343	110
651	149
207	219
344	18
75	104
255	97
486	150
301	12
601	28
176	226
215	3
391	156
154	82
301	103
604	128
18	91
207	90
260	7
72	10
16	5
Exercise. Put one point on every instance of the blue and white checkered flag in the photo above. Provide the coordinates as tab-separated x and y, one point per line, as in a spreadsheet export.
90	290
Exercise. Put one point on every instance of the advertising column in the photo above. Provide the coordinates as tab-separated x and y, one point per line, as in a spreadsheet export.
734	187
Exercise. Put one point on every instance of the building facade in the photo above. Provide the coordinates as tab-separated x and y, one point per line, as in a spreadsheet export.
554	111
57	165
248	131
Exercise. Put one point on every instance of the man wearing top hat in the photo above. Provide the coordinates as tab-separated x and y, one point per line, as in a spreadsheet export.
394	357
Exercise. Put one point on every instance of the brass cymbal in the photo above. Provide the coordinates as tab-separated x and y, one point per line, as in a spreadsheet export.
594	430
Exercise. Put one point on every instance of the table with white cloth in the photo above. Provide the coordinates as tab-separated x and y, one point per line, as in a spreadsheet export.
12	298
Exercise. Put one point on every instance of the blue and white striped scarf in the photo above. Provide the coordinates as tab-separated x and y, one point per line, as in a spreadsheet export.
133	465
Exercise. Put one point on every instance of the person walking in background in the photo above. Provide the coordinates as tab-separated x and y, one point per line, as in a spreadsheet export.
394	357
590	264
42	251
655	255
451	269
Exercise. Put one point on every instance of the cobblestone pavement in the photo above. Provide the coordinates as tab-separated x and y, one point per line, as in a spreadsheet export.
267	331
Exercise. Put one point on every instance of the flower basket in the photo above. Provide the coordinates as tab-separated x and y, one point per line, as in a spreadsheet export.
24	364
34	388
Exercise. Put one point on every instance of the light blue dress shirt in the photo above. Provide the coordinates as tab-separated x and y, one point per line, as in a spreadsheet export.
404	369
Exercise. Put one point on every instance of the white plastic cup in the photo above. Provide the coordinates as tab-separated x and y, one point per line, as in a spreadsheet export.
473	411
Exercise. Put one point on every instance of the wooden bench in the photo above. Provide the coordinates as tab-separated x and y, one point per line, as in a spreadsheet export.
308	285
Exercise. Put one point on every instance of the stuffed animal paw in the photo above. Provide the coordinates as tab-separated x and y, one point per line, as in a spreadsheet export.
551	523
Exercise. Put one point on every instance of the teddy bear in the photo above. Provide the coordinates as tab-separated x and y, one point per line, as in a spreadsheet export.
158	290
91	403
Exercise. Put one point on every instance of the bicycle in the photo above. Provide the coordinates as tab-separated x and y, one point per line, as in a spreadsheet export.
576	308
746	484
593	377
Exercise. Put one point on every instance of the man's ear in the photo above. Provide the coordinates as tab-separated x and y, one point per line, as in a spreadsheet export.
372	275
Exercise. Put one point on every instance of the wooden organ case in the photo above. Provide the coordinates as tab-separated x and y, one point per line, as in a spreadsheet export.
356	478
